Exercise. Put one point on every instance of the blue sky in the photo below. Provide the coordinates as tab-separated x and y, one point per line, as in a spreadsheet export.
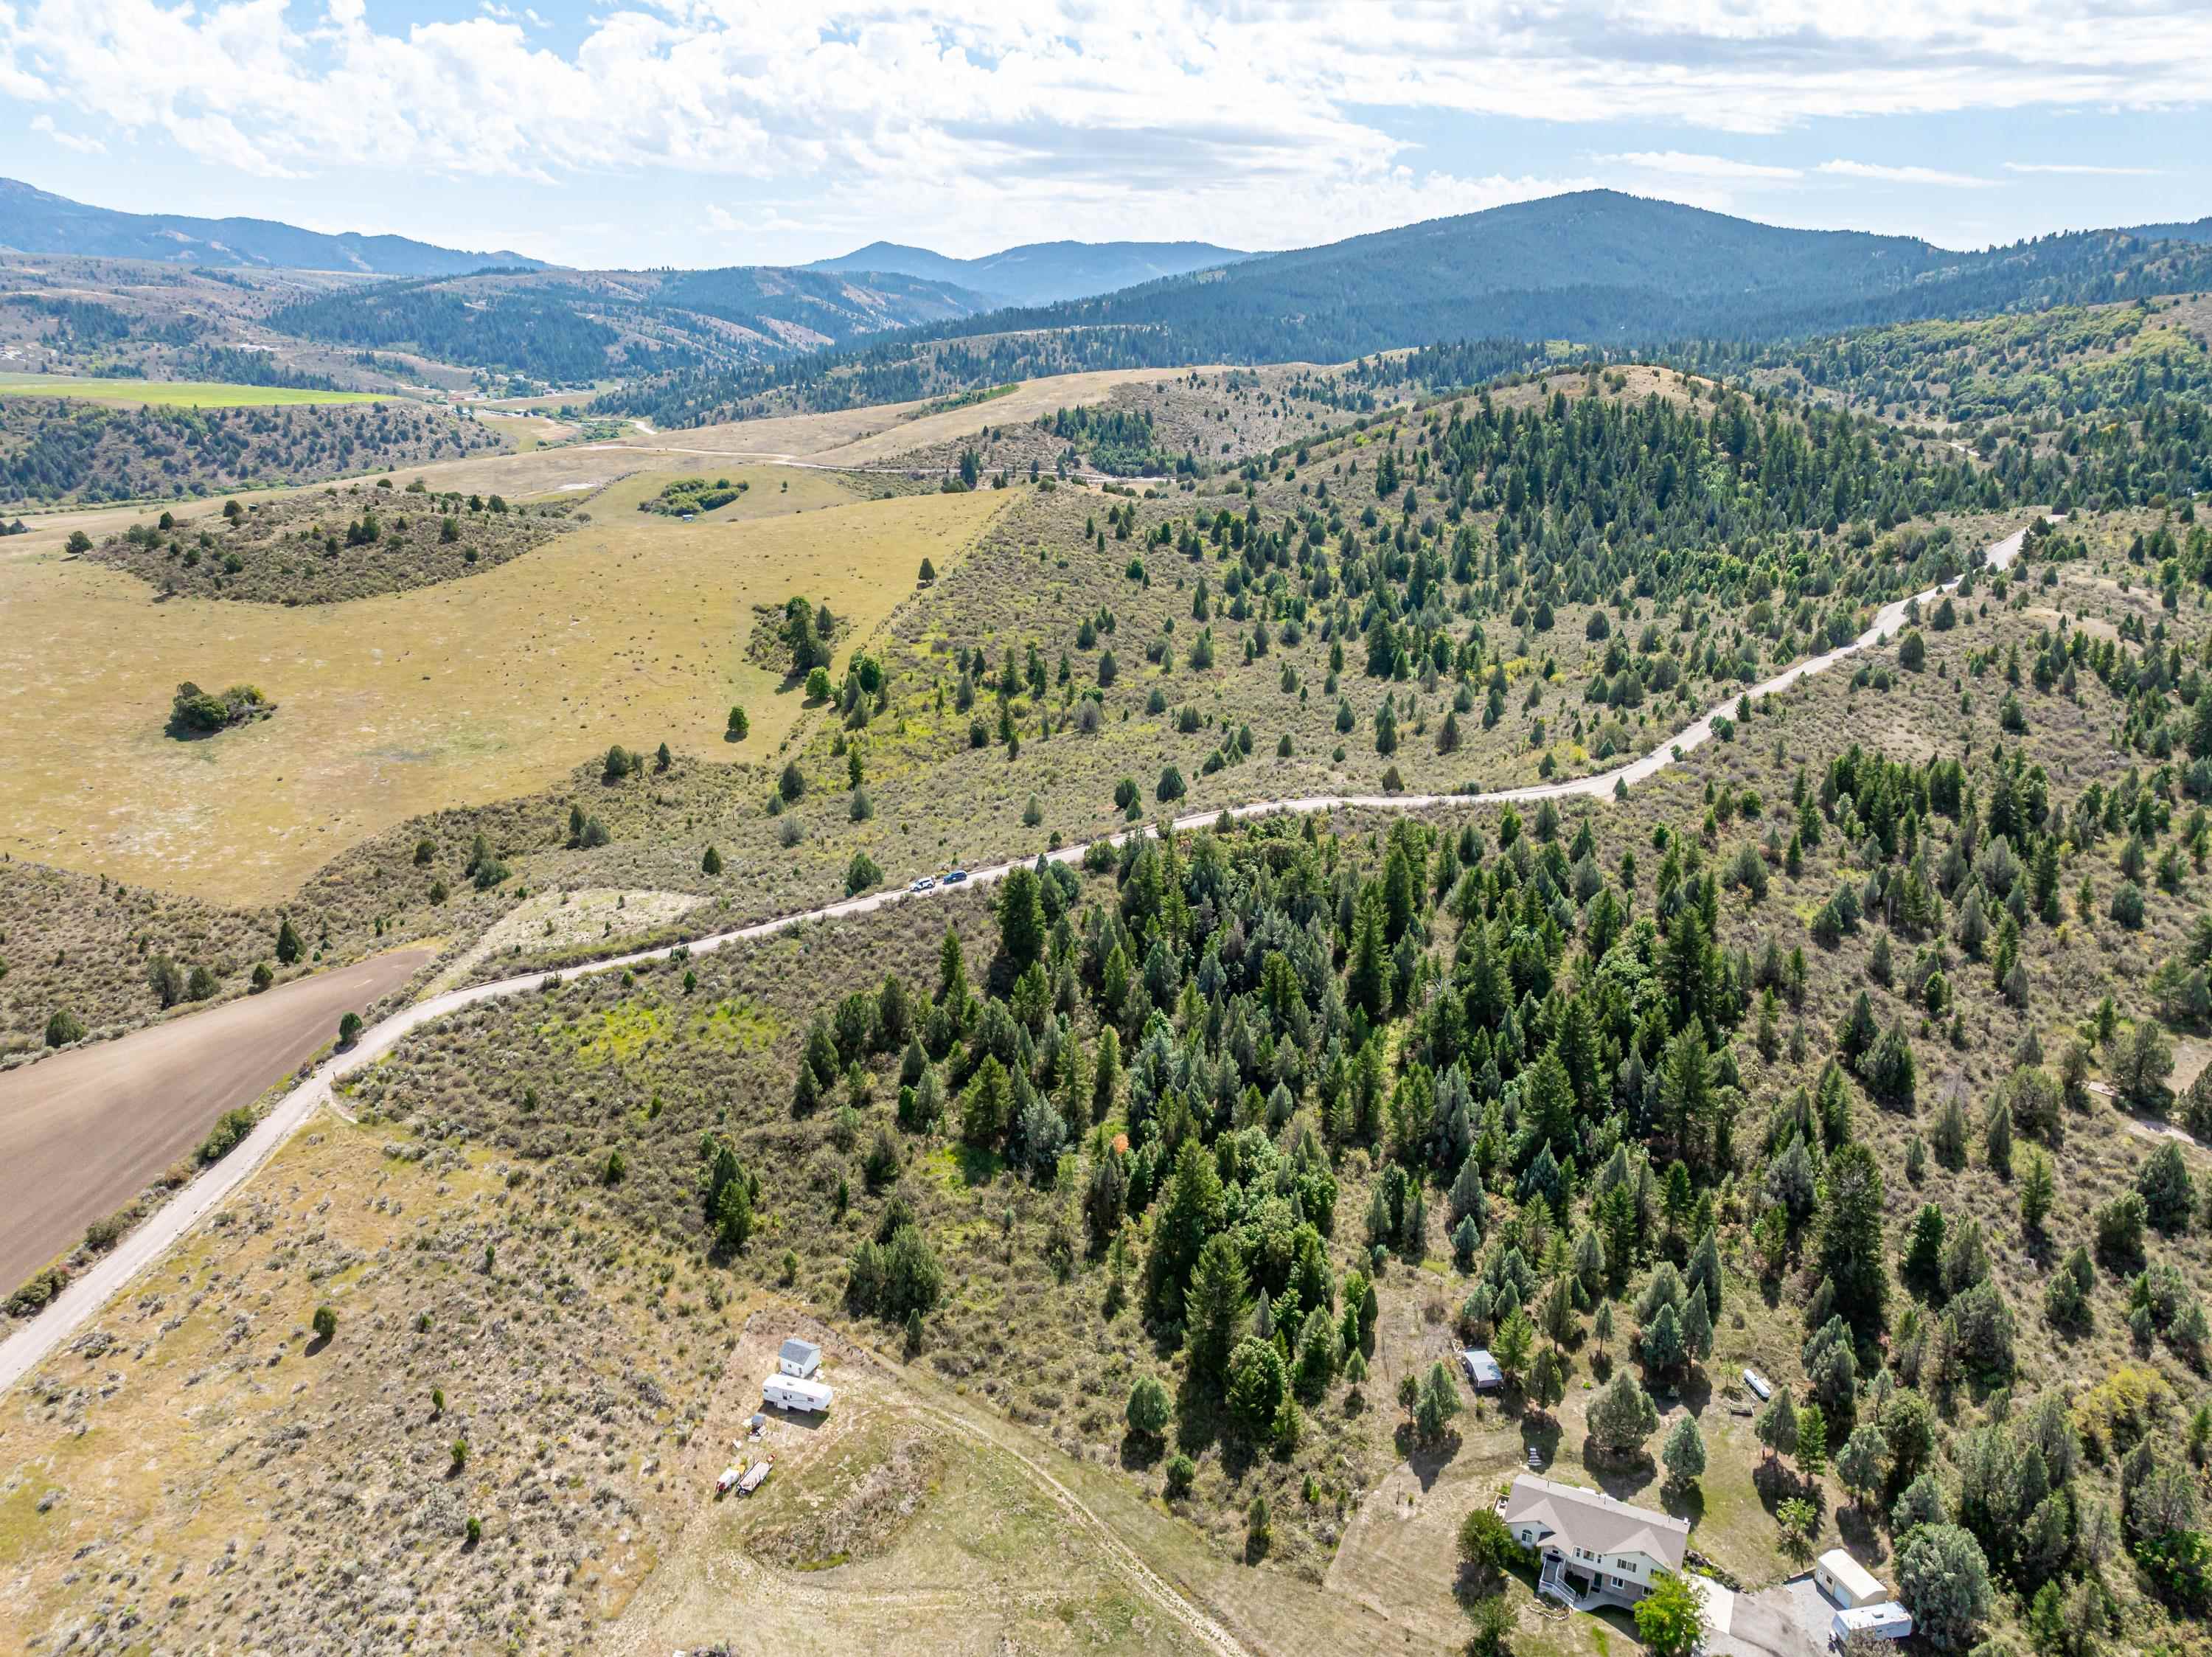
697	133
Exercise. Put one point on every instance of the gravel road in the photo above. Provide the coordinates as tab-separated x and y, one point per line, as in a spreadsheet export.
83	1299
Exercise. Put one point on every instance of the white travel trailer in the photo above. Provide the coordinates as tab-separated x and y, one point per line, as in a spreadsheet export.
1887	1621
809	1397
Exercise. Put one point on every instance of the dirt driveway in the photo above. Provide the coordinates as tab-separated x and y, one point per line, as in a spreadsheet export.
83	1133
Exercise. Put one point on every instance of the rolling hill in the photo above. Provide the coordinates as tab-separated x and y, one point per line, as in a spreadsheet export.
1599	267
1043	272
32	221
574	325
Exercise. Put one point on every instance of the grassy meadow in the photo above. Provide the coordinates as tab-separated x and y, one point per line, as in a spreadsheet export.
174	393
630	630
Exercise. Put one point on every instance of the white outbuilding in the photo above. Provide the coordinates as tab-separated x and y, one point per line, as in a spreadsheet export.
1482	1371
1846	1582
799	1359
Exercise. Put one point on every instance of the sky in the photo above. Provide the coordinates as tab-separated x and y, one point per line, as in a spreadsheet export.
711	132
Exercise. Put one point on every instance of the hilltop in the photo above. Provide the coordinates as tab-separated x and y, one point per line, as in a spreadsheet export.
1041	273
36	222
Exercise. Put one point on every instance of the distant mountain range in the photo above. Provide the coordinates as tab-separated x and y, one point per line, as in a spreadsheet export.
1599	267
1042	273
34	221
1595	269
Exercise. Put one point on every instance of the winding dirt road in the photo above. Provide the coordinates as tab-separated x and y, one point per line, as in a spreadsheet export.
83	1299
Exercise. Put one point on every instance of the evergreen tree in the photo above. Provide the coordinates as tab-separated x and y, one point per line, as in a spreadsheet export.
1021	916
1622	1417
1215	1310
1368	971
1851	1251
1190	1212
1683	1454
1776	1424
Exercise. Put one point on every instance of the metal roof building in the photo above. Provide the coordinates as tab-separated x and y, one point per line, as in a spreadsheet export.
799	1359
1846	1582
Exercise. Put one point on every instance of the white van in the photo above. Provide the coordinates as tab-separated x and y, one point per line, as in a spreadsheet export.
810	1398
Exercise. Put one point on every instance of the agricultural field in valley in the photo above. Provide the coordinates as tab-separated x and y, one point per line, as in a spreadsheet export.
173	393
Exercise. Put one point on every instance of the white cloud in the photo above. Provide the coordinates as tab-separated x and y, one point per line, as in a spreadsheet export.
83	146
1676	164
1239	120
2084	169
1883	175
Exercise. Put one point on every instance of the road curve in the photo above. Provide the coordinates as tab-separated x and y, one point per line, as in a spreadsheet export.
78	1303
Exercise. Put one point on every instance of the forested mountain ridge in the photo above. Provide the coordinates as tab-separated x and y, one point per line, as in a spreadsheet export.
33	220
1598	268
1621	274
581	326
1043	272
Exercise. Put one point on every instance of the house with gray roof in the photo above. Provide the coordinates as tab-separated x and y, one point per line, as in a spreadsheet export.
1595	1551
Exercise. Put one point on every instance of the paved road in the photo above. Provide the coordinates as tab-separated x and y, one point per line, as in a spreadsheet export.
83	1132
83	1298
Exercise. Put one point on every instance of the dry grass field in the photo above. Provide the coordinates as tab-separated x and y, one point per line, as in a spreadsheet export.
883	433
171	393
1220	416
629	629
243	1484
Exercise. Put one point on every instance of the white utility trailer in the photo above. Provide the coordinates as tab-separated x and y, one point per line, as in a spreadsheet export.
807	1397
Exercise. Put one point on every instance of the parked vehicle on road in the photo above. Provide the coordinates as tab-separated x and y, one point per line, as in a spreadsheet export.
955	877
926	883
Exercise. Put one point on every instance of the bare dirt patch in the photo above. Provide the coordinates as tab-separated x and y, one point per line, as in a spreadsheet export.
84	1131
555	922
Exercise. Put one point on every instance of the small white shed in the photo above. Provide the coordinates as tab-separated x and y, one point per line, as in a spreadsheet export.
1887	1621
1482	1371
1846	1582
799	1359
